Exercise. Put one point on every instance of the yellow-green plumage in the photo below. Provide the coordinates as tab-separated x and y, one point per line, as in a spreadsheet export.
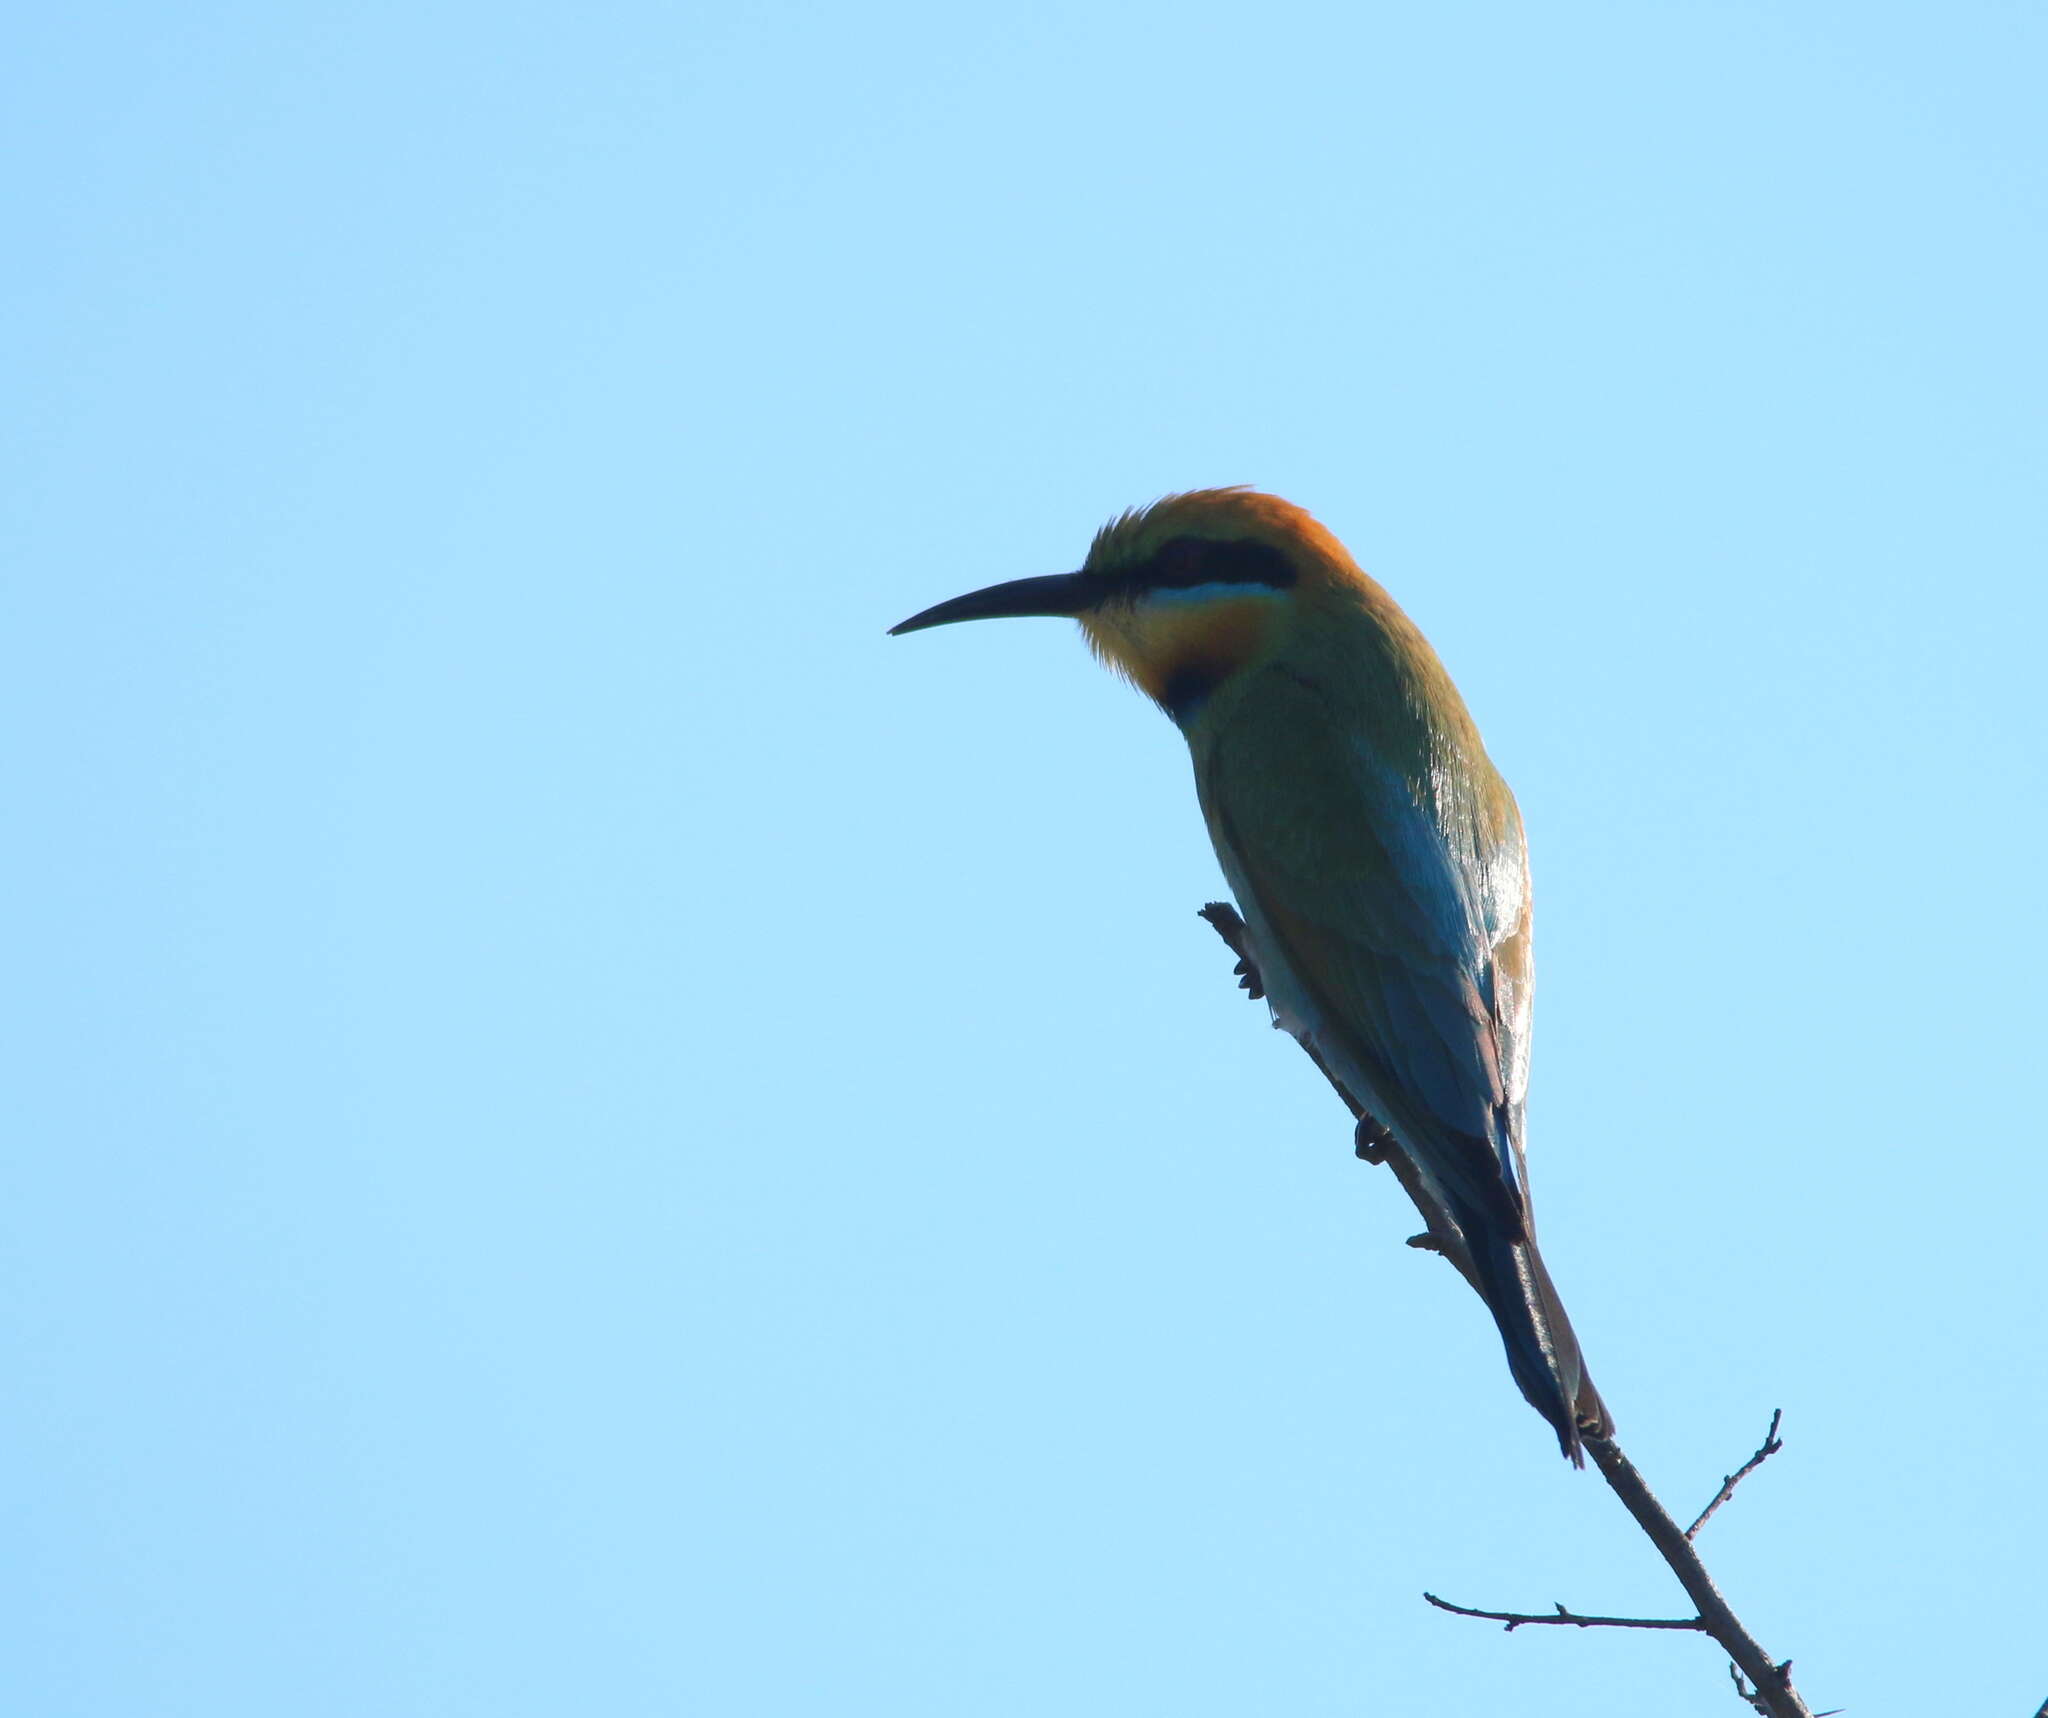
1376	854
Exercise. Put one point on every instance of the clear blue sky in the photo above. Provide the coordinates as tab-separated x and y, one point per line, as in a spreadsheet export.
590	1135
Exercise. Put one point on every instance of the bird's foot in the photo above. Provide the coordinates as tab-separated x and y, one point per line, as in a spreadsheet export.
1372	1139
1222	916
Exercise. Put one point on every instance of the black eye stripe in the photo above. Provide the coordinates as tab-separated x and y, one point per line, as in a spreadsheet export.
1187	561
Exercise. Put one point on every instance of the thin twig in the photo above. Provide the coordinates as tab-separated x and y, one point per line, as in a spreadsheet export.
1771	1445
1773	1681
1770	1684
1561	1617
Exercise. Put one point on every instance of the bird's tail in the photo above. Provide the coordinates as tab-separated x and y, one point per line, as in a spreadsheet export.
1543	1352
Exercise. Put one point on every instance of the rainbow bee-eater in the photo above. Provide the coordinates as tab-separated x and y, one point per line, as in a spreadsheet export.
1376	856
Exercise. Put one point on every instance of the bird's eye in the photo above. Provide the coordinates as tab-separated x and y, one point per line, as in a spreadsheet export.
1188	561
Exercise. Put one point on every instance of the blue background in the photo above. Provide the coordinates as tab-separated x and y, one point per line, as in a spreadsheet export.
590	1135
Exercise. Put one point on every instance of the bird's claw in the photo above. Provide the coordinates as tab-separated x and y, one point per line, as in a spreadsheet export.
1223	919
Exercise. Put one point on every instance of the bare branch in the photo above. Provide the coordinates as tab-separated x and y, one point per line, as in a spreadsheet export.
1561	1617
1771	1445
1744	1692
1772	1681
1769	1685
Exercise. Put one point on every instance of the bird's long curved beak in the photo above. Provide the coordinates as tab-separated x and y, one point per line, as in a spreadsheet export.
1057	593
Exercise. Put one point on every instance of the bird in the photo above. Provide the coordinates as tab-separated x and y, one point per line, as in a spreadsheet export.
1376	856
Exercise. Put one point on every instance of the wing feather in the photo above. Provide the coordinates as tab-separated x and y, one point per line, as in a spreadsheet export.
1388	873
